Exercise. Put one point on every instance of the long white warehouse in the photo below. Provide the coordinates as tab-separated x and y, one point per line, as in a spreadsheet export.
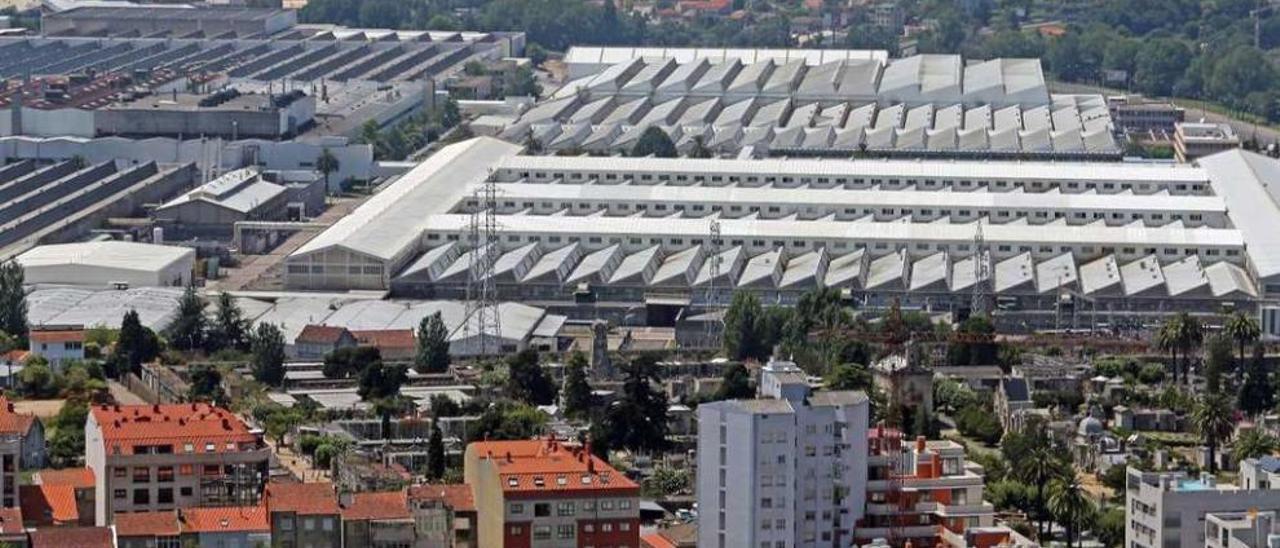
1128	236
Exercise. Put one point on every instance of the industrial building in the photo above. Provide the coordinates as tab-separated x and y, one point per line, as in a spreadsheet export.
228	114
93	307
109	264
212	210
622	232
168	20
815	103
67	200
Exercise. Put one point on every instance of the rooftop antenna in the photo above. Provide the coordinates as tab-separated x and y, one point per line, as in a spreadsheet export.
482	296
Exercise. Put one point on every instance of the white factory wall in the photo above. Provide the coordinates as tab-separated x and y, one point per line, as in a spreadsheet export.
176	274
356	160
47	123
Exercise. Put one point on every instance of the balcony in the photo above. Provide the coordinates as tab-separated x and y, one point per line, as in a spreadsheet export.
912	531
966	510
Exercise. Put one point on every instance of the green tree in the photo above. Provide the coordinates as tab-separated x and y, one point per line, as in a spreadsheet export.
1244	330
1212	420
1115	478
1253	443
526	380
206	384
444	406
1160	64
638	420
848	376
436	463
508	421
351	360
267	349
1180	335
135	345
742	328
230	329
66	447
1070	507
735	384
325	453
1257	393
1110	528
1217	359
577	391
950	395
973	342
654	142
1038	468
327	164
432	354
379	381
189	328
13	301
978	422
37	380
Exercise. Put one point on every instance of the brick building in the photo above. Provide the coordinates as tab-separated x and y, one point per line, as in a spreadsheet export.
533	493
162	457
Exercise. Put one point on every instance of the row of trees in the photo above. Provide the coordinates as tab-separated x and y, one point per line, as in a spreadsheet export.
228	335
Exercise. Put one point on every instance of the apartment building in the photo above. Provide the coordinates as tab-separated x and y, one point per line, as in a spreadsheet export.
543	493
304	515
1253	529
163	457
927	492
21	446
1170	509
786	469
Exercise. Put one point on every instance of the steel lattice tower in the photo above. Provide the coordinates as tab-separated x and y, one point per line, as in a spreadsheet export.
712	299
482	297
981	272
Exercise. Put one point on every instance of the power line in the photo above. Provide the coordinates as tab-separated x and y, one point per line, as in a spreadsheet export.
482	313
715	322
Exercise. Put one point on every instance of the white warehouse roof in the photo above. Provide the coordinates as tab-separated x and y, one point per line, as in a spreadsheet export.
103	263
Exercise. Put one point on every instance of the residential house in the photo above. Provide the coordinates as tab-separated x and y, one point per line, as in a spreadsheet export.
69	537
57	344
224	526
398	345
377	519
304	515
1012	399
444	515
59	497
317	341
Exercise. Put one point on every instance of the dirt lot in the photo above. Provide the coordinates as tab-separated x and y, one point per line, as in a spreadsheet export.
43	409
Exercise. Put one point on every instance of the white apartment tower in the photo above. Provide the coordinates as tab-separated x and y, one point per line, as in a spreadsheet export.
786	470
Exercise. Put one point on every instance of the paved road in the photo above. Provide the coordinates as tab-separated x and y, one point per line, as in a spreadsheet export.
256	271
123	396
1195	112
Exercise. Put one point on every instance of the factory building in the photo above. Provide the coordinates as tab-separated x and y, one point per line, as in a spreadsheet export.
168	20
211	210
65	201
109	264
815	103
1115	237
228	114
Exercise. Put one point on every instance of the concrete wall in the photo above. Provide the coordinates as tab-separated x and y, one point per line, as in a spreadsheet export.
356	160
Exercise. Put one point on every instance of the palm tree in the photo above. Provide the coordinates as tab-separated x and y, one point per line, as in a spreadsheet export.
326	164
1039	468
1167	339
1244	330
1212	419
1070	506
1253	444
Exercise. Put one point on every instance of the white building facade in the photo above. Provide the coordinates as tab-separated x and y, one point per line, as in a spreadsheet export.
1169	509
788	469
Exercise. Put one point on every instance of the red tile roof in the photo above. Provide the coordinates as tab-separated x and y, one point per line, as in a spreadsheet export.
457	496
12	422
48	504
302	498
656	540
225	519
377	506
57	336
79	478
16	356
11	521
320	334
71	537
387	338
550	465
197	424
148	524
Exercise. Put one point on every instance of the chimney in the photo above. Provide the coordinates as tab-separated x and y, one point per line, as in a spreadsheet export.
509	456
155	408
920	441
591	465
226	424
10	407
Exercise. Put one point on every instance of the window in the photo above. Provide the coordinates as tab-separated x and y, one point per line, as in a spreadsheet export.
517	508
606	527
624	505
588	505
327	524
119	472
624	526
141	474
606	505
542	510
565	509
564	531
516	530
164	495
286	524
309	524
164	474
185	491
542	532
120	494
141	496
